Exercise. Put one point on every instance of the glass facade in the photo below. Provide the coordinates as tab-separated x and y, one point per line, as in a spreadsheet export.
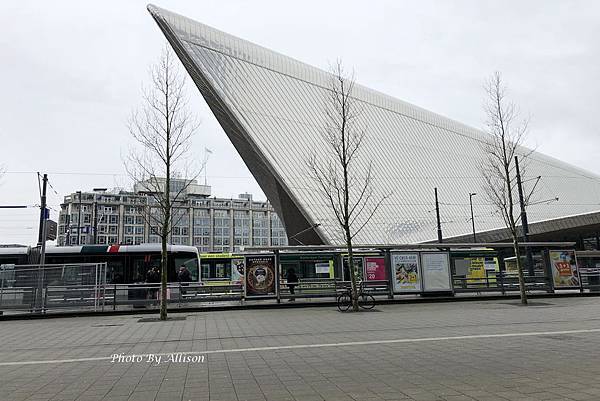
272	108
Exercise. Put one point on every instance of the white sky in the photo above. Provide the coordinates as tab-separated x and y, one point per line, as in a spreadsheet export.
71	72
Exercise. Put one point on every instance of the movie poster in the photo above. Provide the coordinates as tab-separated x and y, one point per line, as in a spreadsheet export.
260	276
564	269
375	269
405	268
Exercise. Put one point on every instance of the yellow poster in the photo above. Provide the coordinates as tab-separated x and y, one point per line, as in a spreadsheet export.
476	273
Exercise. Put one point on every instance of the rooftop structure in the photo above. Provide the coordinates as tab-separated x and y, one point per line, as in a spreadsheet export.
272	109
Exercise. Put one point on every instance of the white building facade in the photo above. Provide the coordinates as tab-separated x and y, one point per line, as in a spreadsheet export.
273	109
210	224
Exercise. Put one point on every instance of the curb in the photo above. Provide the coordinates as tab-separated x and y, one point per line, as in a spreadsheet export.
295	305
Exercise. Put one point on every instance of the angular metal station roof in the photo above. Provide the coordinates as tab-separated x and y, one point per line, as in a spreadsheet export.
272	109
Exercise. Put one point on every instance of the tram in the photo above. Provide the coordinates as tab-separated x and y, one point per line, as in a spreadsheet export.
126	264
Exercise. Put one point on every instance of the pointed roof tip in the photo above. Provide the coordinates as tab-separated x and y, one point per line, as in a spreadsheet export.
152	9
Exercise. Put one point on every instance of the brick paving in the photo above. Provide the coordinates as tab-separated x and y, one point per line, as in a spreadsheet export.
553	366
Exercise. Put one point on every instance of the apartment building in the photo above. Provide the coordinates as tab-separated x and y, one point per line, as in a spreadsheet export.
209	223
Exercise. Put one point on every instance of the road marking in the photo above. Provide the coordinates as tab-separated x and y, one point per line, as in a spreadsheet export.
304	346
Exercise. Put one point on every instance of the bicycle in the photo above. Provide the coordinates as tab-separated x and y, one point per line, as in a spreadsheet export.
365	300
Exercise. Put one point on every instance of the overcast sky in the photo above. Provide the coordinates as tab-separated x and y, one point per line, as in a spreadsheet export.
71	72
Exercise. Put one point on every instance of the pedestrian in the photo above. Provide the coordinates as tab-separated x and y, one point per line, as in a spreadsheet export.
152	278
292	281
184	278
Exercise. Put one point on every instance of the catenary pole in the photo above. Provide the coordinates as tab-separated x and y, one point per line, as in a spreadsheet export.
42	244
95	220
524	224
437	216
79	220
42	208
472	216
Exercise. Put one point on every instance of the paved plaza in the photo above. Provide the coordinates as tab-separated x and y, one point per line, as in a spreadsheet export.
475	350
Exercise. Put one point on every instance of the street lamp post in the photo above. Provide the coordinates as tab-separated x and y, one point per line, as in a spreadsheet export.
79	220
472	216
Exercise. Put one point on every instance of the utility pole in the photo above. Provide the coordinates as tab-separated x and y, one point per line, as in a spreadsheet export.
42	210
95	220
79	220
524	224
472	216
437	215
42	242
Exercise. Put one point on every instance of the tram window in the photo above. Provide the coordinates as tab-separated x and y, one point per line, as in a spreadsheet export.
287	266
205	270
216	269
190	262
223	270
140	266
115	271
115	266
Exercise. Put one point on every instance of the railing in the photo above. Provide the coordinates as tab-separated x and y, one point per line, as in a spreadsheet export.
590	279
309	288
81	287
143	295
34	288
500	282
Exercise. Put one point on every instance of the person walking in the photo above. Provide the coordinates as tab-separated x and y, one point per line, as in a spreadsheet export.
292	281
184	277
152	278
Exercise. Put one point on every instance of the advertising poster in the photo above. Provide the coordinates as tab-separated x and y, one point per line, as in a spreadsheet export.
322	268
476	269
375	269
407	275
477	272
237	271
564	269
436	271
491	264
260	276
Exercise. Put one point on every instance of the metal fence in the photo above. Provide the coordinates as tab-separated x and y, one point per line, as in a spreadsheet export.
35	288
83	287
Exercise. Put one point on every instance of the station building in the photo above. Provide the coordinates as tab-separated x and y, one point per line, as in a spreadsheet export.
272	109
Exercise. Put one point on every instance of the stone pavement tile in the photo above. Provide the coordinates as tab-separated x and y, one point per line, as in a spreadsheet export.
582	396
250	397
280	397
223	397
115	398
64	397
142	395
592	391
477	394
176	396
424	397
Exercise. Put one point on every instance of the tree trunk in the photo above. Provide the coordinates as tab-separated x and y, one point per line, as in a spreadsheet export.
520	271
353	289
164	263
164	239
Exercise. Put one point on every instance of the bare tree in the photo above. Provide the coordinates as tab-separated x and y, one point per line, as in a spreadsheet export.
163	128
508	131
342	181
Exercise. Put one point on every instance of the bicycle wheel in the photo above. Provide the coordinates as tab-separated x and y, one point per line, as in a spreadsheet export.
344	302
366	301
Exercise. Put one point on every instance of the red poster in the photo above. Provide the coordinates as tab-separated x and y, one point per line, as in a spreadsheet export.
375	269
